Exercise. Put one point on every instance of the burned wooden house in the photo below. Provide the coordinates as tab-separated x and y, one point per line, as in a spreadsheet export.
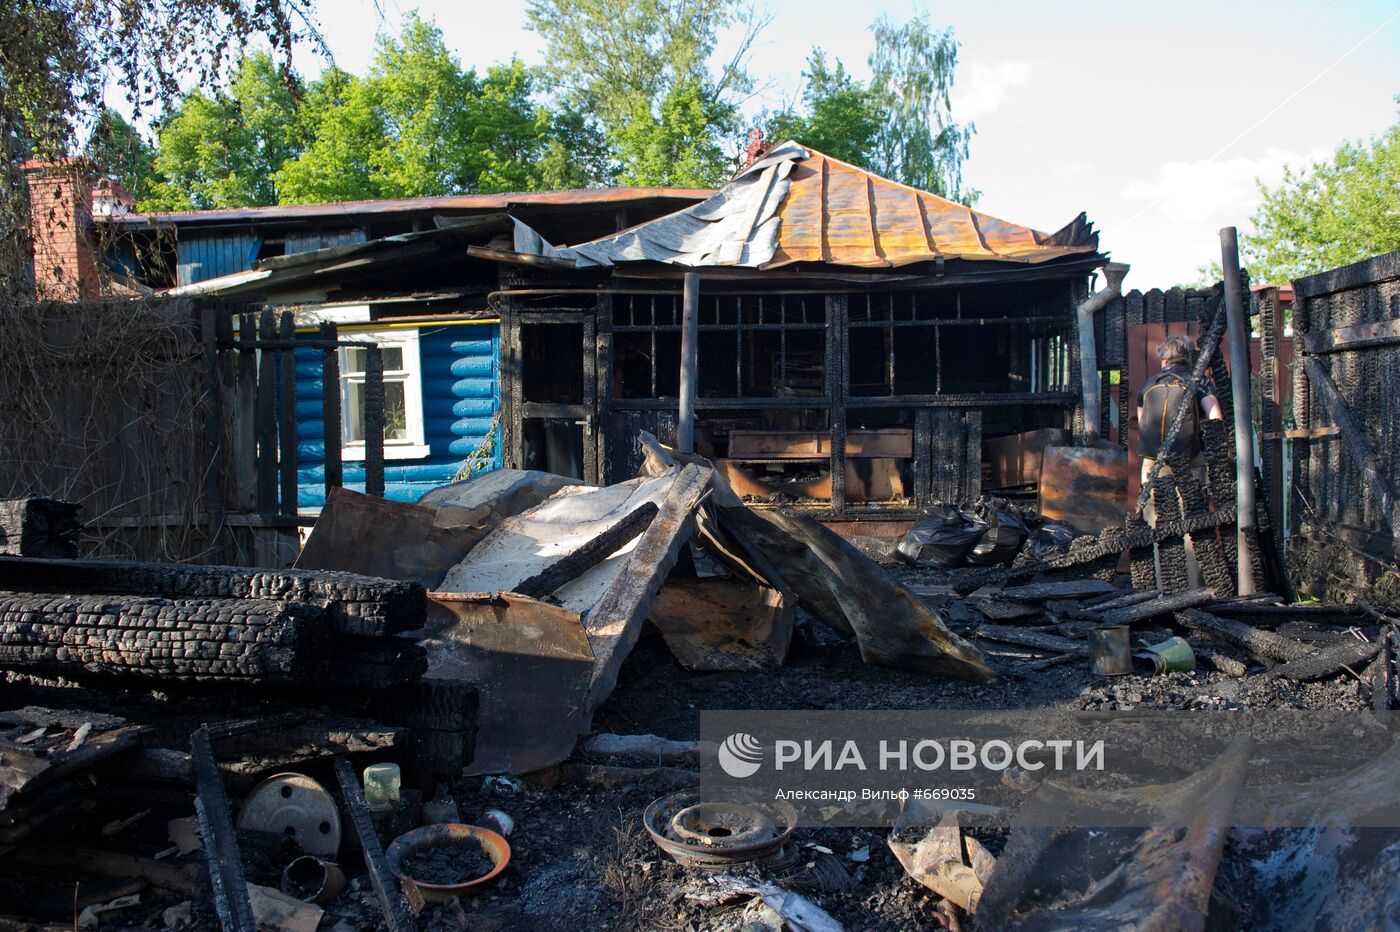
859	341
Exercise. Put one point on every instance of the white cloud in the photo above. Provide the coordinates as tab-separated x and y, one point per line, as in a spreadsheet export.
1202	190
982	87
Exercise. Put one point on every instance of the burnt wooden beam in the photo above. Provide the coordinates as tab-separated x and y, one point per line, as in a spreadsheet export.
1382	675
1162	605
1050	643
616	621
226	877
837	360
1351	655
398	917
181	639
1265	645
595	551
358	605
1059	589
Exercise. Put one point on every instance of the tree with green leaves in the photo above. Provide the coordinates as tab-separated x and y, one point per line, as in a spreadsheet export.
58	58
900	125
841	118
118	150
676	147
918	142
420	125
224	149
642	70
1329	214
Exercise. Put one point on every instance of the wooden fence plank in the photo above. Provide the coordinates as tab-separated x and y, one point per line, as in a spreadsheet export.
213	430
245	433
330	408
267	418
374	421
287	414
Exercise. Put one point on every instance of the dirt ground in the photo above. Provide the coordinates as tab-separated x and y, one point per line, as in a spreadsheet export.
582	856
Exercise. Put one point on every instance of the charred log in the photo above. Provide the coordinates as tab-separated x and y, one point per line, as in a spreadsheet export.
358	605
195	640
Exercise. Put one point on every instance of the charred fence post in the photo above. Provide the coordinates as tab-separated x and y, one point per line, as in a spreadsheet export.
231	902
267	416
330	406
374	421
398	917
287	414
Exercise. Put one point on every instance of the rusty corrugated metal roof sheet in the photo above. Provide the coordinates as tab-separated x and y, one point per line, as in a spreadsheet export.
576	197
840	214
798	205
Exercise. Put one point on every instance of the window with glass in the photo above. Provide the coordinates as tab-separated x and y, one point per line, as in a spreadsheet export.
403	397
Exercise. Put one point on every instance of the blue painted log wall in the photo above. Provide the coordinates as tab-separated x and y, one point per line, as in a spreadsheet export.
461	395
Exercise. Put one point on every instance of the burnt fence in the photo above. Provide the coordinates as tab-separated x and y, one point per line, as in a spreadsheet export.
173	422
1346	472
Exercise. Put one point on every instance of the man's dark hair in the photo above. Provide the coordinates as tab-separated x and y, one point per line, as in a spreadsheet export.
1177	349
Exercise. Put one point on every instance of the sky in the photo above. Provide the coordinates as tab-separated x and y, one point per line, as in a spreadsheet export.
1154	118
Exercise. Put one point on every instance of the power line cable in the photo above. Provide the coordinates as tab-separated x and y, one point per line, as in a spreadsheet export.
1277	107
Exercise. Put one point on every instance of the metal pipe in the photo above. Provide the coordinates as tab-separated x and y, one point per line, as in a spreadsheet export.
690	335
1238	329
1113	274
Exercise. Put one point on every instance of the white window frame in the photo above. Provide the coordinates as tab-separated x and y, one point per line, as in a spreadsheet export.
412	447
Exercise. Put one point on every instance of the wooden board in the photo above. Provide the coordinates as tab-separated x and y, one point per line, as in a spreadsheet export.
760	445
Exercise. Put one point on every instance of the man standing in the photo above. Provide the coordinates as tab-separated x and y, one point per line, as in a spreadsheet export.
1162	397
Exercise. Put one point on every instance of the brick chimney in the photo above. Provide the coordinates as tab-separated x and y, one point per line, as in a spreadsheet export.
60	205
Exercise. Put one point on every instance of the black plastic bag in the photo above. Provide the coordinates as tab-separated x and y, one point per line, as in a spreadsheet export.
1003	535
1050	537
942	537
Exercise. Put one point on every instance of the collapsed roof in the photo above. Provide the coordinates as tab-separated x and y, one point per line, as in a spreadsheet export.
798	205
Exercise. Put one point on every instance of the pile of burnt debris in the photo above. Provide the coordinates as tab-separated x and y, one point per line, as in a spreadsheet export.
357	742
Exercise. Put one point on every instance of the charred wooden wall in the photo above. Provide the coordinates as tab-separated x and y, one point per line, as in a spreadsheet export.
1347	455
799	379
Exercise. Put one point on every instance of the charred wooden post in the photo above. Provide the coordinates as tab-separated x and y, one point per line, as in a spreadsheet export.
287	415
837	314
690	338
374	421
231	902
398	917
330	406
1244	428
